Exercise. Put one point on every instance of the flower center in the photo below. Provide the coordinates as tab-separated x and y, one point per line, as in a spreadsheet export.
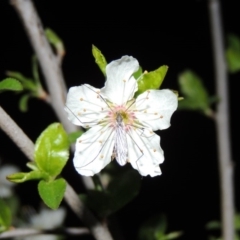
119	115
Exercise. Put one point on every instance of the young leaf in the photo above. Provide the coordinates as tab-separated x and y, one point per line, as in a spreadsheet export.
51	150
21	177
73	136
10	84
99	59
233	53
52	192
27	83
151	80
5	216
23	102
35	70
55	40
194	93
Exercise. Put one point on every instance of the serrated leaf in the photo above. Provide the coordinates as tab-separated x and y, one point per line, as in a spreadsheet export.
23	102
233	53
5	216
194	93
151	80
51	150
116	196
52	192
21	177
55	40
27	83
99	59
10	84
73	136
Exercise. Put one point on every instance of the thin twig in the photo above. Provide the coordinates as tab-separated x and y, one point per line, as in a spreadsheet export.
16	134
222	120
24	232
49	64
99	231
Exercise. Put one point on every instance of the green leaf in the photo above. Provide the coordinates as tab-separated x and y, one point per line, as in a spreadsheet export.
151	80
32	166
55	40
233	53
28	83
73	136
21	177
195	94
154	228
213	225
52	192
35	70
51	150
173	235
10	84
119	192
99	59
23	102
5	216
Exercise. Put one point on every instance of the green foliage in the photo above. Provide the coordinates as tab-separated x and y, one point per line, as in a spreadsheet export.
233	53
118	193
51	150
31	86
51	154
21	177
155	229
99	59
5	216
150	80
23	102
72	137
195	94
52	192
10	84
56	41
216	225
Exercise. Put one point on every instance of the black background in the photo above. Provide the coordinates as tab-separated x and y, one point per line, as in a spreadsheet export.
175	33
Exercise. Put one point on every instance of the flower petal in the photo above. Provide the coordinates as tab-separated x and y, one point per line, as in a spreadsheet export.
145	153
94	150
155	108
120	86
85	106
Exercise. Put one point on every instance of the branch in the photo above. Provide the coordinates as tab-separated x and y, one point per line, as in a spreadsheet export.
47	60
99	231
49	64
16	134
24	232
222	120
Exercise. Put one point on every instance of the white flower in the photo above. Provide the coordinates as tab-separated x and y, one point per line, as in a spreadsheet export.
46	220
121	127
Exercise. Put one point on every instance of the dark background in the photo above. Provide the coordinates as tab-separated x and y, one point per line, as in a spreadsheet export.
175	33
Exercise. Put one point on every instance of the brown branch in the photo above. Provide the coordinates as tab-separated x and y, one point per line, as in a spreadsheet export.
222	121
